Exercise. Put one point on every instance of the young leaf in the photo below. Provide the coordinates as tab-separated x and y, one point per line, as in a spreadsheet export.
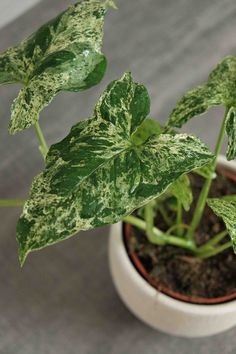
193	103
181	189
97	175
148	128
219	90
64	54
206	172
226	209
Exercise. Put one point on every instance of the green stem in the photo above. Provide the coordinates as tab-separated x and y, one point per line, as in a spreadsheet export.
214	241
179	218
215	251
201	203
11	202
43	145
173	227
149	218
165	216
160	237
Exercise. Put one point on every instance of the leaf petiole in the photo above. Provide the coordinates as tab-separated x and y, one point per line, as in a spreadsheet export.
215	251
165	216
179	218
214	241
43	147
201	203
149	218
176	226
160	237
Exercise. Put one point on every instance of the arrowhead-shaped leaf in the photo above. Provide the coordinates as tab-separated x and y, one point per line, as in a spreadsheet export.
181	189
97	174
219	90
64	54
226	209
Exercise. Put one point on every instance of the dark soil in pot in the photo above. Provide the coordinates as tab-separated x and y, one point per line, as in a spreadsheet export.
173	270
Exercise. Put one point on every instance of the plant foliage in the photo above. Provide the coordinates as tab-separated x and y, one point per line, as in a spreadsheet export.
225	208
181	189
64	54
219	90
97	174
118	160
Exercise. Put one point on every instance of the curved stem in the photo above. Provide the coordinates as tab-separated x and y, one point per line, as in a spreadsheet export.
149	218
215	250
214	241
43	147
165	216
11	202
182	226
201	203
179	218
160	237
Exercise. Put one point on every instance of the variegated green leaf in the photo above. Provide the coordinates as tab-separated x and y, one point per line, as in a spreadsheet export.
193	103
219	90
181	189
64	54
231	132
226	209
11	66
97	174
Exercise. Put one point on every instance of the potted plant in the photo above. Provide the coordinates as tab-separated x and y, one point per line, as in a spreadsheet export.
173	261
121	165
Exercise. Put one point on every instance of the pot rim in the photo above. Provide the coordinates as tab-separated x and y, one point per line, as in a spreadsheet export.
228	168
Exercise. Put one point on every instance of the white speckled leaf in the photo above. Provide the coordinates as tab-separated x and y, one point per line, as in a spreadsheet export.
226	209
193	103
219	90
64	54
11	66
181	189
231	132
97	174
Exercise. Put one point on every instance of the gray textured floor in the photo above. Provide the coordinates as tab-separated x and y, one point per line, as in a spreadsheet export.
63	301
9	10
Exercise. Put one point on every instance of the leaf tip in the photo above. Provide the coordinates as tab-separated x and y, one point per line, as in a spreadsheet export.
127	76
23	253
110	3
11	129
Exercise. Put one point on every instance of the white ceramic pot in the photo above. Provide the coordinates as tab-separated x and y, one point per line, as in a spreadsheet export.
159	310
